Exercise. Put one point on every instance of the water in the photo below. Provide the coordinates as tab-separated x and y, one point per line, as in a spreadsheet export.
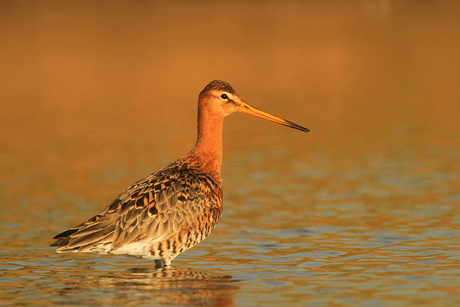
362	211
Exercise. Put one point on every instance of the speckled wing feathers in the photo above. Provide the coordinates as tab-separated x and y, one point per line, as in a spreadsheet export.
155	209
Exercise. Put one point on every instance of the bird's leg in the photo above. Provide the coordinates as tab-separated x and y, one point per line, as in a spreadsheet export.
159	264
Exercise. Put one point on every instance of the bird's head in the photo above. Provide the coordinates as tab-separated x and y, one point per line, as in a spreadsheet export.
220	99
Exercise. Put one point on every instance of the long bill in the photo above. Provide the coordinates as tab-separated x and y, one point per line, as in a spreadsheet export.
245	108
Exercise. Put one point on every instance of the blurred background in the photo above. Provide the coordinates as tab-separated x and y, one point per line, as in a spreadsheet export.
86	83
97	94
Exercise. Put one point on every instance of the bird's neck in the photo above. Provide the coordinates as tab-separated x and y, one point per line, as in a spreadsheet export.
208	148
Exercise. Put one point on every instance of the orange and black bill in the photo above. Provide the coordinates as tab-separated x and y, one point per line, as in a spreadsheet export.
245	108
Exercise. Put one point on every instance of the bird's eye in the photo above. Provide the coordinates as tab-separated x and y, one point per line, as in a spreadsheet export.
224	96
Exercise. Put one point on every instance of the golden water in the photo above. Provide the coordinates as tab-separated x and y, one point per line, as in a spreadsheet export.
362	211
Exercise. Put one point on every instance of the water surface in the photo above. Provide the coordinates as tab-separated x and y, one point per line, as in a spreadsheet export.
362	211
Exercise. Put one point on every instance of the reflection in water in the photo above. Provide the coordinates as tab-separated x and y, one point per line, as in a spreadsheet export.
363	212
167	286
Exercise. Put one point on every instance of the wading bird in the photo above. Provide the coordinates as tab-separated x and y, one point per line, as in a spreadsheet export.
170	211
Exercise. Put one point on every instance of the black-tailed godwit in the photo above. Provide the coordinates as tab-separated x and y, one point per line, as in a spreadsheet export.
170	211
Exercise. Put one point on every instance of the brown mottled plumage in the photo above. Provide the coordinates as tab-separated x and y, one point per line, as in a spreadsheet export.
170	211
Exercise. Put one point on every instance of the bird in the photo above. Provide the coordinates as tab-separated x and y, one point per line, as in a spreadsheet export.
175	208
